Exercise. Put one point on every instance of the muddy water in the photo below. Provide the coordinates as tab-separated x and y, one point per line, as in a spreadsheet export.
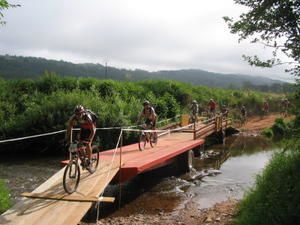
233	171
27	173
222	172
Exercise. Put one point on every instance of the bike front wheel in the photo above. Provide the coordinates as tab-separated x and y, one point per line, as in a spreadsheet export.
94	160
142	141
153	139
71	177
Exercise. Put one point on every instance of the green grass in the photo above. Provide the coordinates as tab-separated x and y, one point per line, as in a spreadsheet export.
268	132
275	199
5	201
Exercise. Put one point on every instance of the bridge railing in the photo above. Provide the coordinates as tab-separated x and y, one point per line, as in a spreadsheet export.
215	124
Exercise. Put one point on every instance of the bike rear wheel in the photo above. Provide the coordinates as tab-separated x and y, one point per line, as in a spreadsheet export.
71	177
95	160
142	141
153	139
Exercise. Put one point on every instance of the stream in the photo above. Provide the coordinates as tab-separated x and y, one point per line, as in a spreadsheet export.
220	173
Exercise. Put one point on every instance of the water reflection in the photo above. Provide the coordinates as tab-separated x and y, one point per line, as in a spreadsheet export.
247	145
239	161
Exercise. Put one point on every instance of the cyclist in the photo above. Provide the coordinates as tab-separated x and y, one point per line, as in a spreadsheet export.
212	107
224	111
284	105
194	112
149	115
243	114
265	107
87	123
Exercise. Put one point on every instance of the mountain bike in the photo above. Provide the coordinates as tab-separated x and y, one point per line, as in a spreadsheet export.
78	157
145	137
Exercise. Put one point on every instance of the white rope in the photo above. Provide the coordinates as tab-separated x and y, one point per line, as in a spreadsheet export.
32	136
114	128
141	130
129	128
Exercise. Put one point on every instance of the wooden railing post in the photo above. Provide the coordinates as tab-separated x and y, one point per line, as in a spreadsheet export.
194	130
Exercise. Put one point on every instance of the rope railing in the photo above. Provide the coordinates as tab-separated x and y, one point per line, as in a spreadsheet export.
128	128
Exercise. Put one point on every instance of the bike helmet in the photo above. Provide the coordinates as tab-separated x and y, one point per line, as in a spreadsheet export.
78	109
194	102
146	103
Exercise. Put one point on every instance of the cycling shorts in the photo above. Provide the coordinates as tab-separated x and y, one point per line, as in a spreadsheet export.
85	134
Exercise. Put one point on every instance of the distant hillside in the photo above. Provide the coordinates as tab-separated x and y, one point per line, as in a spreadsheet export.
12	67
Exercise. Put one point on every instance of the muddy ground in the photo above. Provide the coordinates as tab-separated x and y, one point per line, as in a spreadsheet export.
222	213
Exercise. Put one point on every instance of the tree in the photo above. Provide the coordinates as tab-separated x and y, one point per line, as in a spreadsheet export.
3	6
273	23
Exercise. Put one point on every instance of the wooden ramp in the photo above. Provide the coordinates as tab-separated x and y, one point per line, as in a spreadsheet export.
60	211
53	206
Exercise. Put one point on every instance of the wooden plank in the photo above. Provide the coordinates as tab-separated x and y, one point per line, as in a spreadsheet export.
66	197
55	212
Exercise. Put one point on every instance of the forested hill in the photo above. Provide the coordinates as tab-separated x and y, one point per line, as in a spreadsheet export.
30	67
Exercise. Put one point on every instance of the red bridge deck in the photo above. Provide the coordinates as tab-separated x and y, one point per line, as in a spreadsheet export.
135	162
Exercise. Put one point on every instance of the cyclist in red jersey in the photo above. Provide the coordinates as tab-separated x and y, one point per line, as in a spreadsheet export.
265	107
87	125
212	107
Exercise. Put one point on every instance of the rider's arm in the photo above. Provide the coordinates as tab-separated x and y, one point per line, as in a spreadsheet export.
71	123
153	116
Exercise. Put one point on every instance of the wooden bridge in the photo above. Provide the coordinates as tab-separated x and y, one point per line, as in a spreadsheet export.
49	204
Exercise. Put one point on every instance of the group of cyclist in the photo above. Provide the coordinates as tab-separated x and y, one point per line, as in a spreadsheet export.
212	106
86	121
211	110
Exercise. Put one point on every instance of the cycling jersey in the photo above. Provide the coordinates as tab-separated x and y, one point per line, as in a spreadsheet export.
243	111
212	105
85	122
266	106
149	115
194	109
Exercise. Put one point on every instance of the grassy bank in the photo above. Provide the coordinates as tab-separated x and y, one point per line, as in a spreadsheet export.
5	202
275	198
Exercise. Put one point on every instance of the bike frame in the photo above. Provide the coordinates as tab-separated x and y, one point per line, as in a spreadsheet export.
80	151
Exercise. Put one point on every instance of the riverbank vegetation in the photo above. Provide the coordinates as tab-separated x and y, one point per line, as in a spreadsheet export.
5	201
43	105
280	129
276	195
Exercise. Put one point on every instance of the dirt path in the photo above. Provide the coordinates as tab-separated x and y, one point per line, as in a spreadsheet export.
258	123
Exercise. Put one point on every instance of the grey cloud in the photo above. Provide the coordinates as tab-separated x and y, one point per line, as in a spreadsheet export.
134	33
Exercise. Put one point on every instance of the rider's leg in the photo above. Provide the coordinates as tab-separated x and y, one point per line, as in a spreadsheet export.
86	136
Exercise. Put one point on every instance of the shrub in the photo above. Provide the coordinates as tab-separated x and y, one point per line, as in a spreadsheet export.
5	201
268	133
279	128
276	196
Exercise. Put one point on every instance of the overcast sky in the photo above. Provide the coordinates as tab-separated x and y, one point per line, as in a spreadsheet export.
144	34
